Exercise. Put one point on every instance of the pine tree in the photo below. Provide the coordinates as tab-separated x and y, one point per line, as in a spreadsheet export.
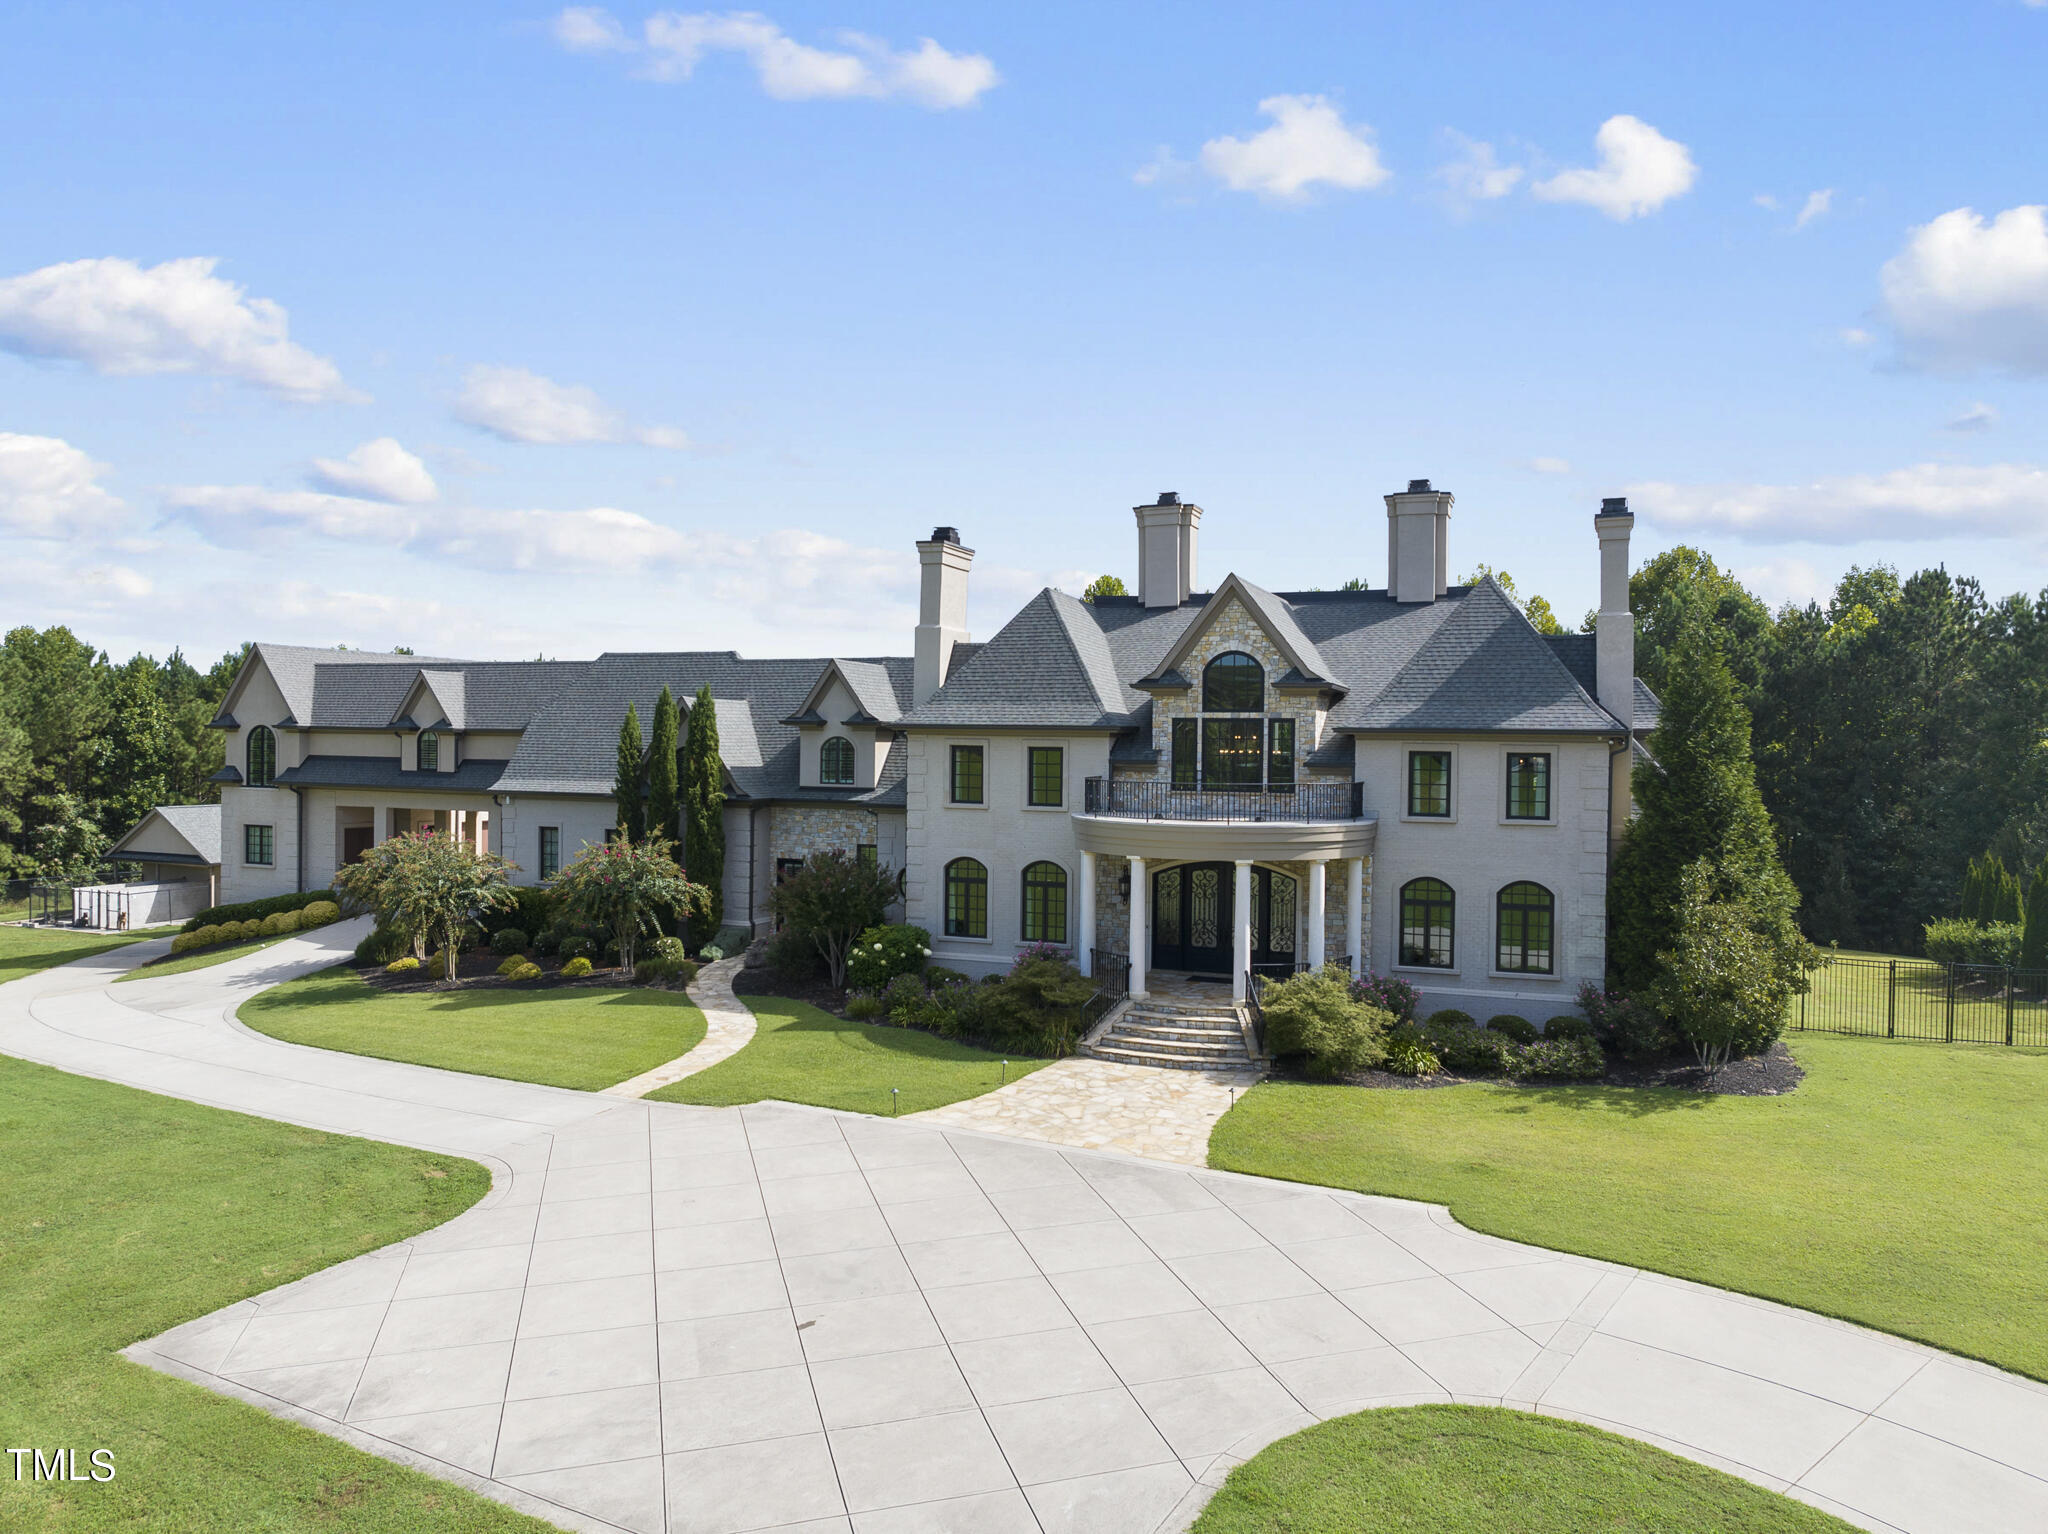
1699	802
661	769
626	787
704	812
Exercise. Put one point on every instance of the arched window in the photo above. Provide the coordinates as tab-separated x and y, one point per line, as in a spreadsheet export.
966	899
430	751
835	760
1233	683
262	757
1526	916
1045	903
1428	915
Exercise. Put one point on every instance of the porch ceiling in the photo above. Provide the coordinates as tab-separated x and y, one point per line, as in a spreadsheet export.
1267	841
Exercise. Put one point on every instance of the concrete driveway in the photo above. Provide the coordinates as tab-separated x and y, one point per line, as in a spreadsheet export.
682	1319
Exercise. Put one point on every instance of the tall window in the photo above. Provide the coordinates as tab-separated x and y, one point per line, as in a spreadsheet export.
1528	785
1428	912
1233	683
1525	918
1045	903
1187	759
967	775
1429	783
550	851
1048	777
259	845
966	899
262	757
835	760
1280	755
868	855
1230	752
430	751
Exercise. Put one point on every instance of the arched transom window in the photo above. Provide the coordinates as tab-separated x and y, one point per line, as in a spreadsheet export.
1428	917
1233	683
430	751
1526	919
262	757
966	898
835	760
1045	903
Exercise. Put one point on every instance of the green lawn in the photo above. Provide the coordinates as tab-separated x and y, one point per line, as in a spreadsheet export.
1482	1470
572	1036
1902	1185
1880	993
802	1055
124	1214
24	950
205	958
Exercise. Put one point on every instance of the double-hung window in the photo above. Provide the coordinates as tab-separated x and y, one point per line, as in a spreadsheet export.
550	851
259	846
1528	785
1429	784
1048	777
967	775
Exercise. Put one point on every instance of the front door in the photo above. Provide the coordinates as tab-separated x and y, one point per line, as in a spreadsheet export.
355	842
1192	905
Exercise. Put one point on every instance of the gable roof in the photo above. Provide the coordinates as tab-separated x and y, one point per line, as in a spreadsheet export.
1050	666
1271	614
292	668
196	825
869	681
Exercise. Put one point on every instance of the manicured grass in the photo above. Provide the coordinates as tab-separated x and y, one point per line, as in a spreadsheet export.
24	950
802	1055
1482	1470
124	1214
1903	1185
572	1036
1878	993
204	958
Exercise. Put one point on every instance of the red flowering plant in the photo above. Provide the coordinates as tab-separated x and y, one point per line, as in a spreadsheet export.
628	888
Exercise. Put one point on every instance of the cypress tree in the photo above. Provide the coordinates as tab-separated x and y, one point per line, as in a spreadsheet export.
1699	802
704	811
661	769
1970	902
626	787
2005	901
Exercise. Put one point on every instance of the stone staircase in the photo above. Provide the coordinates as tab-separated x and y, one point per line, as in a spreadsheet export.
1179	1035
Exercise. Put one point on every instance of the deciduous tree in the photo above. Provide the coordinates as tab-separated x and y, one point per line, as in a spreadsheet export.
628	888
832	900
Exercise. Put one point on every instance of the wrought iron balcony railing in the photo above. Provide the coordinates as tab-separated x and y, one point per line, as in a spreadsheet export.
1153	800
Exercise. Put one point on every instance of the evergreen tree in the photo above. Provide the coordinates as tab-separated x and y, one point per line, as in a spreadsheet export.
626	786
2005	898
704	813
1970	901
1699	803
133	773
661	769
2034	935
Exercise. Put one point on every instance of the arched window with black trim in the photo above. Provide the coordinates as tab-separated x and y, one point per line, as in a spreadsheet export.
1429	913
835	760
430	751
1525	924
1045	903
1233	683
262	757
966	898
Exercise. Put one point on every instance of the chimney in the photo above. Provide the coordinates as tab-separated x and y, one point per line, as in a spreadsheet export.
941	610
1616	626
1166	550
1418	542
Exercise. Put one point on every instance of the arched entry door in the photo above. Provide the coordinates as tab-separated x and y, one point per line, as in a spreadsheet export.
1192	906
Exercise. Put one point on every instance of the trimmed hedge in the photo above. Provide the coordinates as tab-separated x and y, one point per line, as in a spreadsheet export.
256	910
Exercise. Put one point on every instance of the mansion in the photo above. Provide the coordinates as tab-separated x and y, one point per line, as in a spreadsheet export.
1409	779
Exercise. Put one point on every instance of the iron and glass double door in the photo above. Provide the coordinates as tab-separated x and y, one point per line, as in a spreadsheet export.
1192	907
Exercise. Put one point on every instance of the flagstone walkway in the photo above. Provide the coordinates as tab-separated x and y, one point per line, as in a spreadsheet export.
729	1026
1099	1105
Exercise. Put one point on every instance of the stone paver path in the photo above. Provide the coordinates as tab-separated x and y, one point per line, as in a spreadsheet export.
680	1320
1100	1105
728	1028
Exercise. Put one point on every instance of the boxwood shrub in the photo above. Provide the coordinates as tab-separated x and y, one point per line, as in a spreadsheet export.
256	910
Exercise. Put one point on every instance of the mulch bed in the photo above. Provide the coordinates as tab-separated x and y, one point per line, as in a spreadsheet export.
478	970
1770	1074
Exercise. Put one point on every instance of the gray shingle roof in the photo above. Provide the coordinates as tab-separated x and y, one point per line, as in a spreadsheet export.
1272	614
292	668
1581	655
473	776
197	824
1050	665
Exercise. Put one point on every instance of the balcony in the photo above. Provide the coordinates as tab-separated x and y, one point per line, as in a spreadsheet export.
1125	799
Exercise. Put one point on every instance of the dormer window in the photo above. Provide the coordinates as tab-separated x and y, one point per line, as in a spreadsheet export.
430	751
262	757
835	761
1233	683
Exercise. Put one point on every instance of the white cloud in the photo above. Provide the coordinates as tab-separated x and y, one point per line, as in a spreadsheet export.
1164	168
1765	200
380	469
1928	500
1308	145
1816	206
1979	417
1965	293
1476	176
671	45
1778	581
522	406
49	489
1639	171
1550	465
1856	335
176	317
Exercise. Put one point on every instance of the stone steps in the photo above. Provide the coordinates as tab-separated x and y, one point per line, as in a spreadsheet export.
1185	1036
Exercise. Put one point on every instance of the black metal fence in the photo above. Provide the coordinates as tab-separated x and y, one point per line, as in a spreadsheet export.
34	900
1924	999
1153	800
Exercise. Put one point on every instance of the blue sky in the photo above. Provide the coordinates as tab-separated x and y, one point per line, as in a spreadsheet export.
529	331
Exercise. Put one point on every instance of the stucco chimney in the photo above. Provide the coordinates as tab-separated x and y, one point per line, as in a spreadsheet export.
1166	550
941	610
1616	626
1418	542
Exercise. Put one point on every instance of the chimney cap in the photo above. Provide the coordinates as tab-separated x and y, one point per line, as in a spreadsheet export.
1168	498
945	535
1614	506
1418	486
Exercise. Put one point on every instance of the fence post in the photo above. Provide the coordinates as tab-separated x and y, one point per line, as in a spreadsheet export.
1951	1028
2011	985
1891	1002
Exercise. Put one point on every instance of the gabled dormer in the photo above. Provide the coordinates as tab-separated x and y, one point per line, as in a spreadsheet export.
262	734
430	720
845	725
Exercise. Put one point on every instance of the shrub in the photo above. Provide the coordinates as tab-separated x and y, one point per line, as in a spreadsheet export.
256	910
903	998
402	966
1567	1025
576	968
511	962
547	940
1449	1017
1573	1059
1389	993
793	956
1624	1025
1315	1015
319	914
508	940
244	931
937	974
882	953
1520	1029
381	946
1407	1055
527	971
667	948
831	901
278	923
1725	981
864	1006
180	941
437	962
1972	942
711	953
1461	1045
205	937
576	946
647	971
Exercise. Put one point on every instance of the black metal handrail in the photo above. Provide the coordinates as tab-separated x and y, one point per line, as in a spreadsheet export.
1254	1012
1110	970
1152	799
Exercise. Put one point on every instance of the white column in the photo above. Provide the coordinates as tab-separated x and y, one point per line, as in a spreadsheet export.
1354	914
1317	871
1084	940
1241	929
1138	944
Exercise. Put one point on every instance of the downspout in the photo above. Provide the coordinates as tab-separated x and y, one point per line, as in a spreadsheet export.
753	866
299	847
